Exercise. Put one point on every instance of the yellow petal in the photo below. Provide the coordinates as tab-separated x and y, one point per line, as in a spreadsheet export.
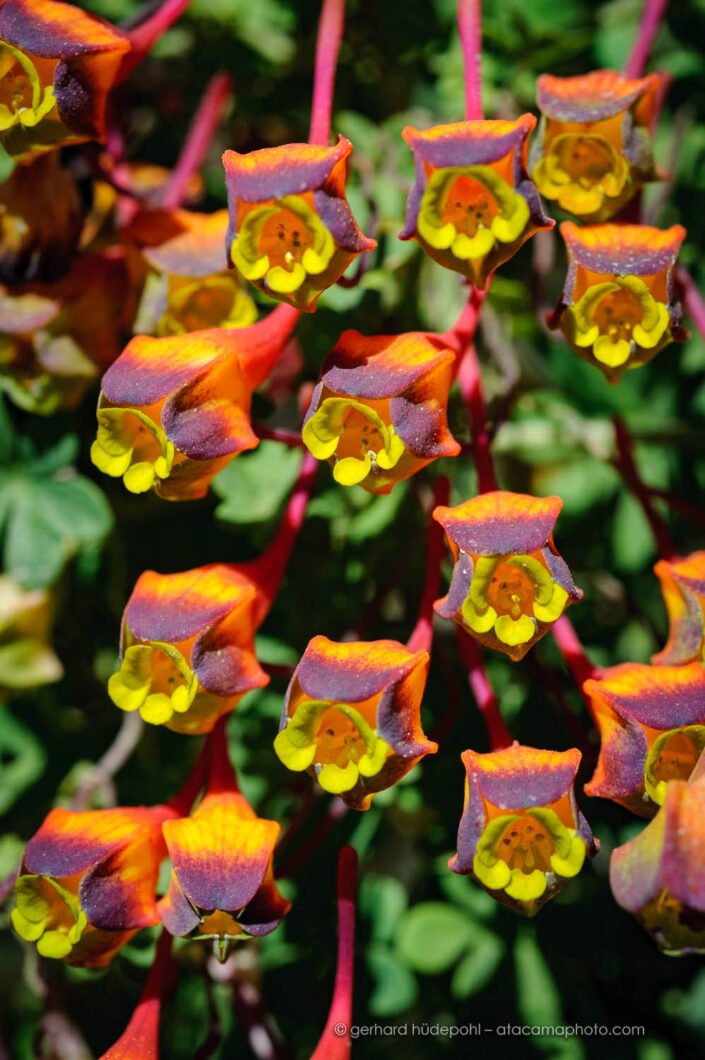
513	632
283	281
350	471
572	864
140	477
611	353
295	758
496	876
157	708
480	621
554	608
468	248
525	887
336	780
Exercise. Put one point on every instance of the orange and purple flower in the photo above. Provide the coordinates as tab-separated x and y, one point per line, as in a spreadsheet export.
57	66
683	588
379	411
652	728
173	411
658	876
292	233
521	834
352	717
619	307
594	151
509	583
222	882
473	203
188	652
87	882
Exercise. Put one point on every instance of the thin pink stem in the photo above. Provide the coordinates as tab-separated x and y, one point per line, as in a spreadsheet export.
146	33
220	776
677	504
497	732
422	635
694	301
651	20
203	128
330	35
268	569
334	1043
626	465
140	1039
470	30
574	655
278	434
462	333
470	382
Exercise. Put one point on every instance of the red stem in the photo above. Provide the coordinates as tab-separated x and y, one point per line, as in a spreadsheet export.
654	11
626	464
470	382
268	569
220	773
694	301
497	731
330	35
470	30
334	1043
462	333
140	1039
204	125
422	635
574	656
145	34
278	434
685	508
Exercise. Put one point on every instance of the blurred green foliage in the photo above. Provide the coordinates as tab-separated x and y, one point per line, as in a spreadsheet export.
432	948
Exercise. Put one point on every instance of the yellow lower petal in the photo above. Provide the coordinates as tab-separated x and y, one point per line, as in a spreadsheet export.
478	621
495	876
350	471
284	281
468	248
336	780
295	758
513	632
554	608
157	708
611	353
140	477
525	887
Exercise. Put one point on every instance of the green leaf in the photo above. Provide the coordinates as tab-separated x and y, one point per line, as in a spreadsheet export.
23	760
632	540
395	987
254	486
27	663
433	935
539	999
383	900
477	968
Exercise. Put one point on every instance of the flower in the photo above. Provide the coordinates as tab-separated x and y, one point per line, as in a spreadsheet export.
473	203
173	411
292	233
618	308
378	413
594	150
352	717
188	286
188	647
57	65
509	584
652	728
658	876
55	338
87	882
683	588
521	834
222	882
27	659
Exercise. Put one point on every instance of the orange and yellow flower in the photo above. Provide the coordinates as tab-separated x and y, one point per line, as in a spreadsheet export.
222	883
473	203
509	584
57	66
87	882
187	286
652	728
683	588
618	308
188	652
352	717
379	411
521	834
658	876
292	233
594	150
173	411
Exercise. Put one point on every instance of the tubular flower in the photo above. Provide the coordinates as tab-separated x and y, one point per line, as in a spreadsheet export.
87	882
473	203
27	659
509	584
352	717
652	727
291	232
187	286
594	147
56	338
618	308
174	411
683	588
658	876
521	834
222	882
378	413
188	647
57	65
